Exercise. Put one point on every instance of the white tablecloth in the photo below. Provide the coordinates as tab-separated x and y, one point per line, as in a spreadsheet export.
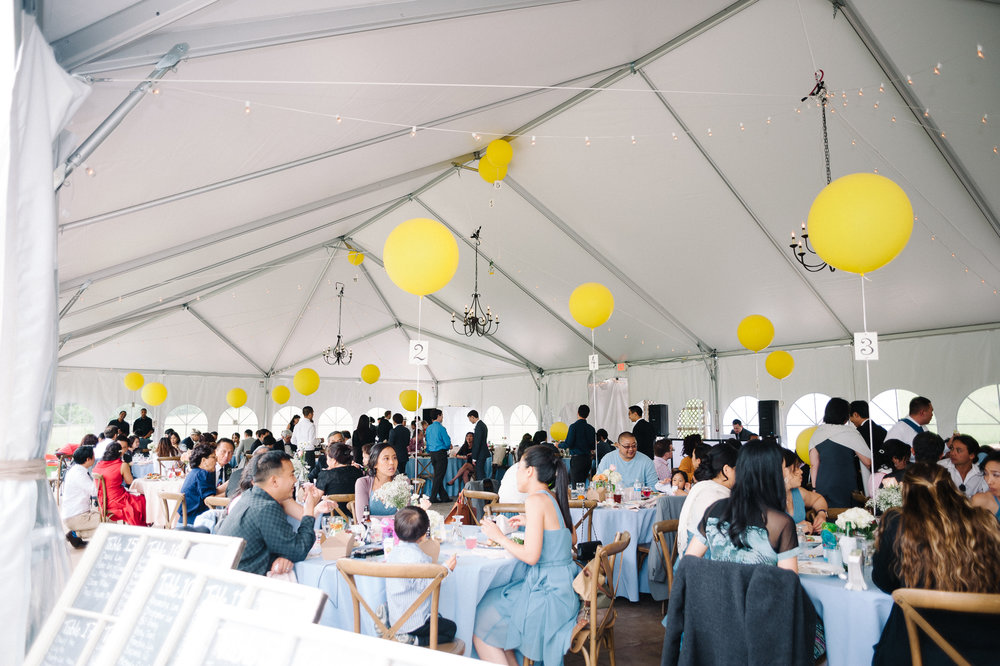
152	489
639	525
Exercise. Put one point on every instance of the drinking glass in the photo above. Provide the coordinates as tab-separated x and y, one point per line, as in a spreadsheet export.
470	542
617	497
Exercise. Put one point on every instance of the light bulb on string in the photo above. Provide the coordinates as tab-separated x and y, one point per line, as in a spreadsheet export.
875	105
710	131
927	113
475	135
246	107
156	91
90	171
742	128
532	139
413	131
586	140
881	87
861	92
633	140
979	51
674	135
937	69
893	119
909	80
339	119
769	120
983	119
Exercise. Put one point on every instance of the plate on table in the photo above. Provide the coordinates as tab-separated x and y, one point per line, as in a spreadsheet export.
816	568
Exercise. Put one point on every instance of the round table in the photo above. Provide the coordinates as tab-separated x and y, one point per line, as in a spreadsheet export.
454	464
639	524
152	488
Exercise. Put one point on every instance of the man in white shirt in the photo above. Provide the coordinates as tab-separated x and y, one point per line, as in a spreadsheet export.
77	509
905	429
304	437
961	464
107	437
509	494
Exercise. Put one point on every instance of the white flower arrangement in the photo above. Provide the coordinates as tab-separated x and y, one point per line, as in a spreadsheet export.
614	476
890	495
437	525
856	519
395	493
301	473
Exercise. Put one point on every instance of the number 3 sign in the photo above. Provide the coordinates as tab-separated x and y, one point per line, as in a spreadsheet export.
866	346
418	352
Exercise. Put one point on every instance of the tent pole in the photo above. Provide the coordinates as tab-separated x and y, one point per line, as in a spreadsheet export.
73	300
225	339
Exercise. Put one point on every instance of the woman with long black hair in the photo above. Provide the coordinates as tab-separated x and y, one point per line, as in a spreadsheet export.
364	434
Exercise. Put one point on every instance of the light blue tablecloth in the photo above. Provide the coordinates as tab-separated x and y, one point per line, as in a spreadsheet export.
139	471
453	466
461	590
852	620
639	525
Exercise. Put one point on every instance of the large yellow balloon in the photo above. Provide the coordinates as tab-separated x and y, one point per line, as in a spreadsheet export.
280	394
591	304
499	153
779	364
154	393
410	400
134	381
755	332
420	256
370	373
802	443
355	258
490	172
306	381
558	431
860	222
236	398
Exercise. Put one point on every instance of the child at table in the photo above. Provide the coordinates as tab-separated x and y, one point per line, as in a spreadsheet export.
411	525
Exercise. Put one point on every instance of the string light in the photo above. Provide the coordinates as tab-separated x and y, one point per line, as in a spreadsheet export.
937	69
742	128
246	107
927	113
861	92
909	80
881	87
893	119
413	131
710	131
156	91
475	135
983	119
853	142
633	139
979	51
674	135
769	120
532	139
339	119
90	171
875	106
586	140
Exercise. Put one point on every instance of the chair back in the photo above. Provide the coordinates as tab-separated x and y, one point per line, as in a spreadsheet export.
435	573
500	507
345	500
660	531
911	601
217	501
499	455
599	581
832	513
177	499
588	507
166	462
479	498
102	497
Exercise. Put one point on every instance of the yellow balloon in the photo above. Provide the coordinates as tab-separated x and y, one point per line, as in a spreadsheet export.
802	443
755	332
779	364
154	393
280	394
490	172
306	381
355	258
860	222
370	373
499	153
410	400
236	397
591	304
134	381
421	256
558	431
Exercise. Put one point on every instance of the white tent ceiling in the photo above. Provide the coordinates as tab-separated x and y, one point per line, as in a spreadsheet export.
213	237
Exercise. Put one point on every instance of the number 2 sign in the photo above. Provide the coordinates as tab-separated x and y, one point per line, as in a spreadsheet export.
418	352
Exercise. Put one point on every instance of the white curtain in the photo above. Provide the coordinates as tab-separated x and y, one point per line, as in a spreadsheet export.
609	407
32	551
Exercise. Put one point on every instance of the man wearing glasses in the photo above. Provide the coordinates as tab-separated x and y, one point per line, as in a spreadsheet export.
628	462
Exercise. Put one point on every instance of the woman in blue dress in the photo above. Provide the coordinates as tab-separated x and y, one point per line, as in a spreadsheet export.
382	470
536	615
798	499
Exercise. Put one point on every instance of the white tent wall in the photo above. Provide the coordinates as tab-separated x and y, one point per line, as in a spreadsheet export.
506	393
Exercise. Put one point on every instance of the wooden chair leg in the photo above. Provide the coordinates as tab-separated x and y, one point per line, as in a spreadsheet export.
611	645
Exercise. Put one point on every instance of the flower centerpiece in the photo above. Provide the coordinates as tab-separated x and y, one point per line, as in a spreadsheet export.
395	493
614	477
301	473
600	480
856	521
437	524
890	495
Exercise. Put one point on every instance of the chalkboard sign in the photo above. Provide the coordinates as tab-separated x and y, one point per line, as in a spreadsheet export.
100	586
160	611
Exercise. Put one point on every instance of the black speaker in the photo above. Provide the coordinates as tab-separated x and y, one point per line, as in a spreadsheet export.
659	420
428	414
767	414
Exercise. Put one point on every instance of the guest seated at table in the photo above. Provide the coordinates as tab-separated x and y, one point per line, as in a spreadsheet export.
199	482
535	615
661	458
797	499
897	455
341	474
508	492
117	474
632	465
604	447
381	471
937	541
990	500
522	445
717	472
687	461
77	507
963	453
411	525
468	470
676	485
836	444
272	544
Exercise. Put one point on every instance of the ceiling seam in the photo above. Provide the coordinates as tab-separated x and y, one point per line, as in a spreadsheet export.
232	345
111	337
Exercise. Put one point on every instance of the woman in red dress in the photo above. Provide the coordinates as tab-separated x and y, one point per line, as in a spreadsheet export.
117	474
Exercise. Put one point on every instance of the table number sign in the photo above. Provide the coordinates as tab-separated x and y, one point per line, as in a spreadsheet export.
593	362
418	352
866	346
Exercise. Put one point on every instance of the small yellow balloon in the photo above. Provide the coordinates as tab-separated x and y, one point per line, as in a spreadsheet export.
236	398
490	172
306	381
861	222
280	394
779	364
591	304
355	258
802	443
558	431
154	393
755	332
499	153
134	381
410	400
421	256
370	373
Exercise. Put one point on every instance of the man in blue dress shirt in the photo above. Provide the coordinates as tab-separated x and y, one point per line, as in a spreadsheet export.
438	445
629	462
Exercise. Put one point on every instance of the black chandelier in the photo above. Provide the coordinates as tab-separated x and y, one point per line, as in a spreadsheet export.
338	354
476	321
800	246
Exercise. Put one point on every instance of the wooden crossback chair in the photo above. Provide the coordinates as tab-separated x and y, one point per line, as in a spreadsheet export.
588	516
483	495
911	601
171	515
102	497
499	507
435	573
163	463
345	500
642	551
217	501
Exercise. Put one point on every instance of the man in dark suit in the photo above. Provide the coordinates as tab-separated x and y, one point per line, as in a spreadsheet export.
642	431
399	440
580	440
120	423
873	433
480	450
384	428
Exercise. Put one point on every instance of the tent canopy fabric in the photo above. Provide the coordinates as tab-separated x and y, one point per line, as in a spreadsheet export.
660	148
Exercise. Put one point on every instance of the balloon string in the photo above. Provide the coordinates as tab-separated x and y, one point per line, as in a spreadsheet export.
868	381
756	372
593	377
864	304
420	312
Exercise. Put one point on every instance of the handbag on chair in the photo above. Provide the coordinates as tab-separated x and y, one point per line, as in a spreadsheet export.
462	510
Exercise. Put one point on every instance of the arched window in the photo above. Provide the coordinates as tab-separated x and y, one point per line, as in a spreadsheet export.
375	413
282	418
70	422
804	413
522	420
186	418
743	408
889	406
493	418
237	419
335	418
979	415
693	419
